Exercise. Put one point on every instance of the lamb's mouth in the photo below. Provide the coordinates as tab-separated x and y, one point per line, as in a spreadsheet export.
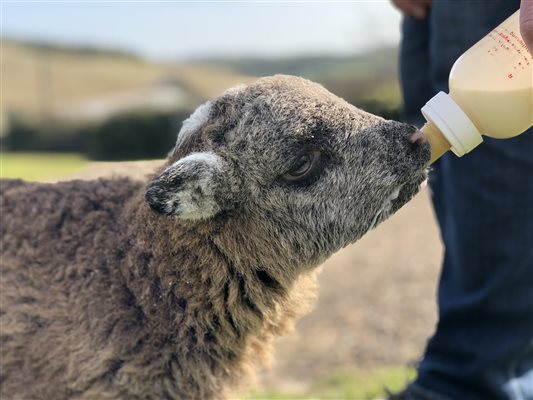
398	197
386	209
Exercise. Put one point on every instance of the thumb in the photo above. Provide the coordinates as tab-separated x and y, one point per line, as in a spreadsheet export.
526	23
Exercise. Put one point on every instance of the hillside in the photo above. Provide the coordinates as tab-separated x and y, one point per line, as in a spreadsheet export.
42	80
47	80
366	77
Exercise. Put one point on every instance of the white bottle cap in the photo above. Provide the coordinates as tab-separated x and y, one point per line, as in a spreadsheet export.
454	124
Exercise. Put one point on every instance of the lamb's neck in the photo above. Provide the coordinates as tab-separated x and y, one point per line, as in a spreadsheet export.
198	296
188	270
191	260
208	297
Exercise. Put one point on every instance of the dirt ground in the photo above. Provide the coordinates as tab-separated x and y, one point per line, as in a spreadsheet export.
376	305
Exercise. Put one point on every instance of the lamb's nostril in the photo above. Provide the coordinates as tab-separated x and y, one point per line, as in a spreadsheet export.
417	139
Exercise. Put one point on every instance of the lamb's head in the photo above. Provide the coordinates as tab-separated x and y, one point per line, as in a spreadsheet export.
292	170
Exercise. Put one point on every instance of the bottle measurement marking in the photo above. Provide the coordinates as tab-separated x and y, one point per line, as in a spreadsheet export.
508	40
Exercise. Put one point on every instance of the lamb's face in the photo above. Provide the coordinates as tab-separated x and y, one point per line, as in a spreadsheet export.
293	163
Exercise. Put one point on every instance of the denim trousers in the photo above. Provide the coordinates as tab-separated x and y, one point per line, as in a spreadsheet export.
482	347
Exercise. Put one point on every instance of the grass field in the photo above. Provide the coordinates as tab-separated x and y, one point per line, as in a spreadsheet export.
40	166
355	385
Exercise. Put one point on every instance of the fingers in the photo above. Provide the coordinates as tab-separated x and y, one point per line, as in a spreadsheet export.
526	23
413	8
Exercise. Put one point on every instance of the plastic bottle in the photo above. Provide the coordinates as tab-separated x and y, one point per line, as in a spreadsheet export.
491	93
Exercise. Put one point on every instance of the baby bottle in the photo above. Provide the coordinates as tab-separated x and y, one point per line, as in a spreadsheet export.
491	93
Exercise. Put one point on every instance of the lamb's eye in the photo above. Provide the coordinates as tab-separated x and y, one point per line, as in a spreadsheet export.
303	167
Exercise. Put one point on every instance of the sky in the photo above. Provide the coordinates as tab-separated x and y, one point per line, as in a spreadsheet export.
174	30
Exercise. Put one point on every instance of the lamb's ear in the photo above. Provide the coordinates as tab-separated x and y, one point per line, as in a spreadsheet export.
191	125
188	187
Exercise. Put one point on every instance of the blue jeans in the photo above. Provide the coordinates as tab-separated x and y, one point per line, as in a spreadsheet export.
483	344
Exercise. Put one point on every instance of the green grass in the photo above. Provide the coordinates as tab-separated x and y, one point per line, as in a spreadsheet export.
39	166
353	385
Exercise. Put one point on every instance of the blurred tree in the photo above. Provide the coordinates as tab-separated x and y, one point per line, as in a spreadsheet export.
131	136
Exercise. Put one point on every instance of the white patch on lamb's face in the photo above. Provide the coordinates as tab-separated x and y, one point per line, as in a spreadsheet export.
198	118
195	199
387	204
205	157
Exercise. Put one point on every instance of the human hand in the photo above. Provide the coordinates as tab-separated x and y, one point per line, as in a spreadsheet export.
417	8
526	23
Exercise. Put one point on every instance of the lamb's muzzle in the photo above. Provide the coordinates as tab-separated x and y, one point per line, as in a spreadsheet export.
418	139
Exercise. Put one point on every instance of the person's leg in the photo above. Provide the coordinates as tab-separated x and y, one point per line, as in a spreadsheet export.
482	347
415	79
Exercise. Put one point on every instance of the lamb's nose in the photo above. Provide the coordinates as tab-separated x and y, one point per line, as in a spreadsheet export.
417	139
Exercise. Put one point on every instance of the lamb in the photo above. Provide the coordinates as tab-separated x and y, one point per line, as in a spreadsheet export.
174	288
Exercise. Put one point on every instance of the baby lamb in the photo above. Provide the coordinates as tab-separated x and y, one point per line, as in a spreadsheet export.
174	288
